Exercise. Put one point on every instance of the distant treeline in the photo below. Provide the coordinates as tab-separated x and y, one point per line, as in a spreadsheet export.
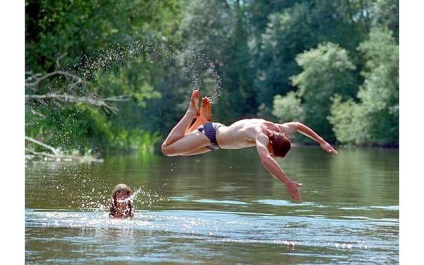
116	75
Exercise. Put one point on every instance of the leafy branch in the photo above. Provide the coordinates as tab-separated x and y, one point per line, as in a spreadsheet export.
55	153
73	83
98	102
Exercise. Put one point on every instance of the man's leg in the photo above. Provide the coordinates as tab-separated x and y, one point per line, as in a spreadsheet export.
179	130
170	145
191	144
199	151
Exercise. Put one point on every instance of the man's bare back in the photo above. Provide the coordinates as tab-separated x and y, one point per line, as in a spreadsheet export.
240	134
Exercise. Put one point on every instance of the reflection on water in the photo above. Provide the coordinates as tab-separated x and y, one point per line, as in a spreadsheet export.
222	207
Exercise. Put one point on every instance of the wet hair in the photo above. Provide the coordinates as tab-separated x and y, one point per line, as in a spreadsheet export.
280	144
114	210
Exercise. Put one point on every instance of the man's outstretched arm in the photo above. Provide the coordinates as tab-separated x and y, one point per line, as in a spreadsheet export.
308	132
274	168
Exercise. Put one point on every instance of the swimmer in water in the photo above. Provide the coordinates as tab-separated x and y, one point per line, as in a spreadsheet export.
121	203
196	134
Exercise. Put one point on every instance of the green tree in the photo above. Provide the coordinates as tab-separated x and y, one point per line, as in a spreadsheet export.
80	54
385	14
376	114
82	28
327	70
349	121
218	30
299	27
84	54
288	108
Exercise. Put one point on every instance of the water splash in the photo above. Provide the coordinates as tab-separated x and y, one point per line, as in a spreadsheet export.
147	198
198	70
142	199
84	79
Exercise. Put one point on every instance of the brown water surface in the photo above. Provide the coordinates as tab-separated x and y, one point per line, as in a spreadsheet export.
219	208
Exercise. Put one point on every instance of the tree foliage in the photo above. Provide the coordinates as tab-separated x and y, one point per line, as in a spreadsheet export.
376	115
288	108
327	70
108	75
98	44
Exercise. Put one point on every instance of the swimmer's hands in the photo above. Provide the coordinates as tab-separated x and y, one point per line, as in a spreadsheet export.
292	189
328	148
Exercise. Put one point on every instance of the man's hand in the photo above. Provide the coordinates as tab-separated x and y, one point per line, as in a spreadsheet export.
292	189
328	148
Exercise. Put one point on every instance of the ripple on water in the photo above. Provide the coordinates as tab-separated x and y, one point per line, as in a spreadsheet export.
285	203
207	230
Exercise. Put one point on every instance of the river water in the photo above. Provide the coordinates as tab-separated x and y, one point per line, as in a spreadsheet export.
218	208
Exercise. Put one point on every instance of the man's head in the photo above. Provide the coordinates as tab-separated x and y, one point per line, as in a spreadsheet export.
280	144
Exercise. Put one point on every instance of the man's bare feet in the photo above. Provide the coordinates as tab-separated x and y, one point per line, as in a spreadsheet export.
205	109
204	115
194	103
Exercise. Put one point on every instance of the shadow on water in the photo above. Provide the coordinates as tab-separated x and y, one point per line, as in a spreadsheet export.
222	207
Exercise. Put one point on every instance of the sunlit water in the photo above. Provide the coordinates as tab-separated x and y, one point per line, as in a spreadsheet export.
218	208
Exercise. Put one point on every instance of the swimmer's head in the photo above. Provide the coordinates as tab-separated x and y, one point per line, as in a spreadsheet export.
121	204
279	144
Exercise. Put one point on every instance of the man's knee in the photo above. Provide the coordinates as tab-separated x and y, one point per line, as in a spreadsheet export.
166	150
